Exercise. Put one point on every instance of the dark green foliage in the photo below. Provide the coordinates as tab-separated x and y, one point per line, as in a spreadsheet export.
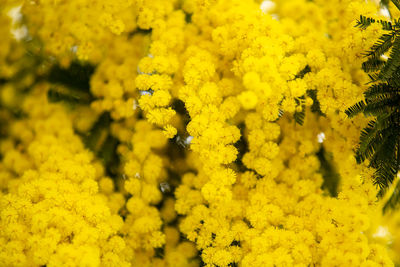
364	22
303	72
385	3
384	69
71	85
77	75
380	47
67	94
102	143
188	18
316	106
380	140
328	171
393	62
355	109
373	65
299	116
140	31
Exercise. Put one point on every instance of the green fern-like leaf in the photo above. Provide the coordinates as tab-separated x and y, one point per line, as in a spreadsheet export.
367	149
372	131
373	65
392	63
374	77
384	105
386	25
386	151
356	109
364	22
381	46
394	81
384	176
380	140
316	106
299	116
377	90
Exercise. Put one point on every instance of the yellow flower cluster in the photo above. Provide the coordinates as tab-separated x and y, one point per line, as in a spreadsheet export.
113	82
212	168
88	28
385	229
53	212
145	180
281	218
243	59
144	171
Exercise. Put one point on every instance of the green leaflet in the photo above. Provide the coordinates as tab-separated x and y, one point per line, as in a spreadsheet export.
380	140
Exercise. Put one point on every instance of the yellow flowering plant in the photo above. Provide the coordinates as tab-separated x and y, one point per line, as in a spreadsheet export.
187	133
